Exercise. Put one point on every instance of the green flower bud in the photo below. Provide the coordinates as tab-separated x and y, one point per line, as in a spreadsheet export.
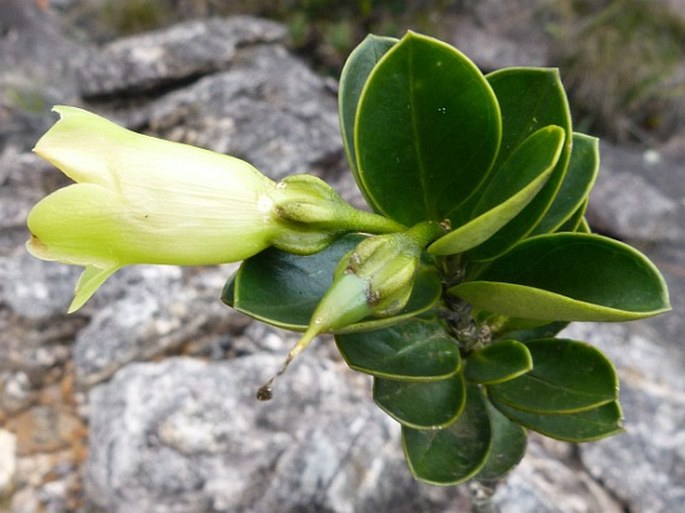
308	199
375	279
314	214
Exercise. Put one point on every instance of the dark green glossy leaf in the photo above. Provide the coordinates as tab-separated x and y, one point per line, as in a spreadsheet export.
518	330
454	454
529	98
575	221
417	349
583	226
585	426
427	130
567	377
579	179
498	362
508	446
513	185
283	289
569	277
421	405
352	79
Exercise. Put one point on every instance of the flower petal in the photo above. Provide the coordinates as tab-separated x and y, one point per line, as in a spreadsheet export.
91	149
90	280
87	224
76	225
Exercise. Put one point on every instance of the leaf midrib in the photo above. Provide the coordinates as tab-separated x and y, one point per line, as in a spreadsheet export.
415	129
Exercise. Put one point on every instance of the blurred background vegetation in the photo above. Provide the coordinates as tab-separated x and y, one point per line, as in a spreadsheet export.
623	61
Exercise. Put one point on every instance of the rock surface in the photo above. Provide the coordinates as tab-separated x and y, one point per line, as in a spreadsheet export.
498	35
144	400
171	56
269	107
638	197
37	70
185	435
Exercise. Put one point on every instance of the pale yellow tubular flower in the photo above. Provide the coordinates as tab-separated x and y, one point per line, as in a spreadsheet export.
139	199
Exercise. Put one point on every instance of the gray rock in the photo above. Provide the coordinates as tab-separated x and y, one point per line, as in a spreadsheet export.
497	34
34	289
183	435
33	294
28	31
131	326
546	482
168	57
638	197
22	186
632	208
37	66
145	311
269	109
491	48
645	467
24	180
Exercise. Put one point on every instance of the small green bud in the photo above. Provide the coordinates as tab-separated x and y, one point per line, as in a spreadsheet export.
388	265
304	205
308	199
299	240
375	279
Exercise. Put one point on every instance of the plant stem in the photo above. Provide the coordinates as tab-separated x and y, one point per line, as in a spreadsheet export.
481	494
362	221
426	232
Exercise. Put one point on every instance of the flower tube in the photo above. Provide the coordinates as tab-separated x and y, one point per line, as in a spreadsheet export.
138	199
